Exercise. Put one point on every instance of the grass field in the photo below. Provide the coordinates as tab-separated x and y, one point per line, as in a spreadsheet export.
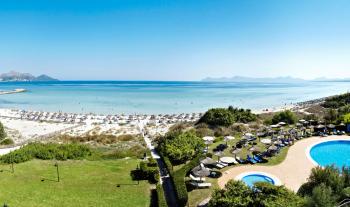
82	183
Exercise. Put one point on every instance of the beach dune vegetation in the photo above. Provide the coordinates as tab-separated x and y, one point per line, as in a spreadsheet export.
3	134
337	101
286	116
227	116
47	151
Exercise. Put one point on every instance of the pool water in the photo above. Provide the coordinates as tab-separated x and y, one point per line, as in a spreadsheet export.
332	152
253	178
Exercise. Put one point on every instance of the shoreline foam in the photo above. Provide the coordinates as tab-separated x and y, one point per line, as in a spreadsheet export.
18	90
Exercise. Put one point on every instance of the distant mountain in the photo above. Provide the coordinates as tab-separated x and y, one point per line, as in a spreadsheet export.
16	76
44	77
323	79
286	79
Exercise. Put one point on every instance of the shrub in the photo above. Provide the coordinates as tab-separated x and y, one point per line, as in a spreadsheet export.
3	134
331	115
181	146
6	141
322	195
242	115
217	117
146	171
226	117
285	116
236	193
47	152
328	186
337	101
347	118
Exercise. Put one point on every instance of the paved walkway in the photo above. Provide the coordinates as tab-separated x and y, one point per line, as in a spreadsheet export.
292	172
165	179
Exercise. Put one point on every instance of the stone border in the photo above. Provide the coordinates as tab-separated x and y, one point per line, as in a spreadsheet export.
308	149
274	178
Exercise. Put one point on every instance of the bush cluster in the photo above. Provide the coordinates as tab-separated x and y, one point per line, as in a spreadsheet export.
227	116
180	146
326	186
236	193
47	152
3	134
6	141
148	170
286	116
337	101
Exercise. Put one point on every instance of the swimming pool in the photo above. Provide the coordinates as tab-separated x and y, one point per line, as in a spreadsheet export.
335	152
250	178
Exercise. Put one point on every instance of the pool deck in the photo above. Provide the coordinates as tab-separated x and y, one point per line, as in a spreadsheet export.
292	172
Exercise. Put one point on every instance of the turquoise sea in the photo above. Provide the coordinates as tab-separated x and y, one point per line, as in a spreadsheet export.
154	97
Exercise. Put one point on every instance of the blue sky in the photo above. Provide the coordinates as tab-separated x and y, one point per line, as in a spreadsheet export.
175	40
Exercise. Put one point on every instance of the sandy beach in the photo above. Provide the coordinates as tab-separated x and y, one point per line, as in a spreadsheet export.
25	126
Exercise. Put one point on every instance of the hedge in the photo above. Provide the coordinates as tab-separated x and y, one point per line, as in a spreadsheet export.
168	165
148	170
160	196
179	180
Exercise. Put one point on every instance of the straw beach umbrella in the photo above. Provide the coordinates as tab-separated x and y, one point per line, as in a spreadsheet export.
200	171
208	138
236	151
208	161
266	141
218	153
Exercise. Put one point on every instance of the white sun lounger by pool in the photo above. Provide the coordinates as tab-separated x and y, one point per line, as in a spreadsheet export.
196	178
201	185
223	163
235	161
218	165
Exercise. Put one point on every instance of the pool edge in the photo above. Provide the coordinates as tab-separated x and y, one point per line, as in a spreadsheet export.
276	180
308	149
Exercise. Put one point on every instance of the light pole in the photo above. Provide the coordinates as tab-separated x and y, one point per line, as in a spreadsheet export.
57	171
12	168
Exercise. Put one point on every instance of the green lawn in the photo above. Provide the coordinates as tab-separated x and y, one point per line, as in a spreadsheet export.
83	183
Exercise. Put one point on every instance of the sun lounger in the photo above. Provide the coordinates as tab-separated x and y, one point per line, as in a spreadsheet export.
196	178
257	158
223	163
218	165
241	161
251	160
201	185
235	161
